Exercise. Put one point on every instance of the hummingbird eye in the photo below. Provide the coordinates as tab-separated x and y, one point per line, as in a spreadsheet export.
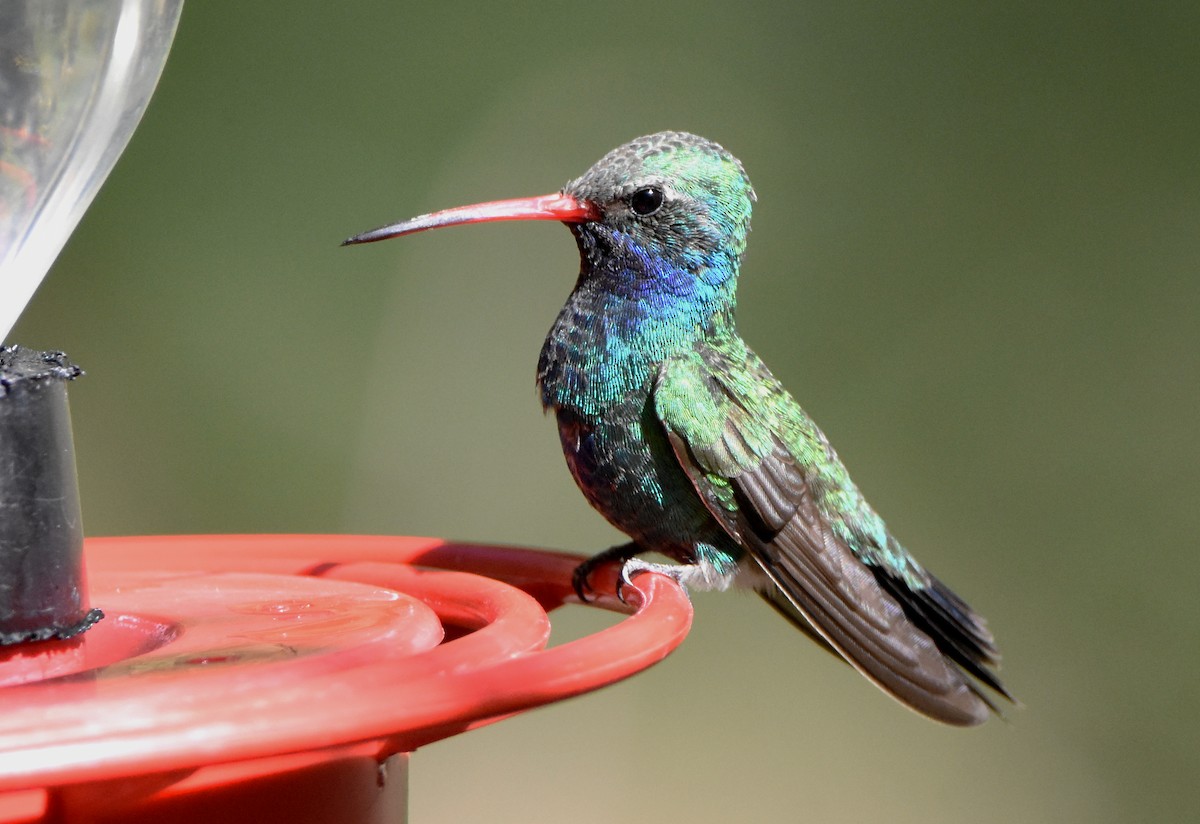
646	201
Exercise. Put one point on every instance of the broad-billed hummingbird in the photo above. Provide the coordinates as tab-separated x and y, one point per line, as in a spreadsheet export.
678	434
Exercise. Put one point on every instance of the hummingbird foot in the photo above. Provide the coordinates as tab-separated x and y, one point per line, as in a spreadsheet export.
701	575
581	578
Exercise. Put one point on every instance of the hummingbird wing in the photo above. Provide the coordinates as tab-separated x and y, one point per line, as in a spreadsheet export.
770	478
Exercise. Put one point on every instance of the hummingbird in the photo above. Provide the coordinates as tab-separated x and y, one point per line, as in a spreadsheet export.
679	435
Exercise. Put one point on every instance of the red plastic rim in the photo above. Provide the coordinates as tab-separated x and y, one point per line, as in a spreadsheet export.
226	648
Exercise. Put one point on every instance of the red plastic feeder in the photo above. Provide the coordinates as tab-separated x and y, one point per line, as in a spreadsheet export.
286	678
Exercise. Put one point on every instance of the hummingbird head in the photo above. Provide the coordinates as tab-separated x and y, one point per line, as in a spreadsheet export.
672	207
660	221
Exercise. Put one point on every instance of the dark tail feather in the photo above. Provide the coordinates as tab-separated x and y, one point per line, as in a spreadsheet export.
959	631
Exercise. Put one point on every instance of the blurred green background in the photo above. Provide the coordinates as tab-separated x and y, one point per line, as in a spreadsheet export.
974	262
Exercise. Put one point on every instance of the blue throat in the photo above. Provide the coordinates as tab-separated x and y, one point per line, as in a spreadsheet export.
629	311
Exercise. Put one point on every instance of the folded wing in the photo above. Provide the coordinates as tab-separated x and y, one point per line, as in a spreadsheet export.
900	627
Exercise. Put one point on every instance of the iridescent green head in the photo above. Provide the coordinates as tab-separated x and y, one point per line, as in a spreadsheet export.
678	199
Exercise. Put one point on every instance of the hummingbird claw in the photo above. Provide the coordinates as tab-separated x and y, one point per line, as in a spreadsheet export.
622	582
580	582
625	578
581	577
